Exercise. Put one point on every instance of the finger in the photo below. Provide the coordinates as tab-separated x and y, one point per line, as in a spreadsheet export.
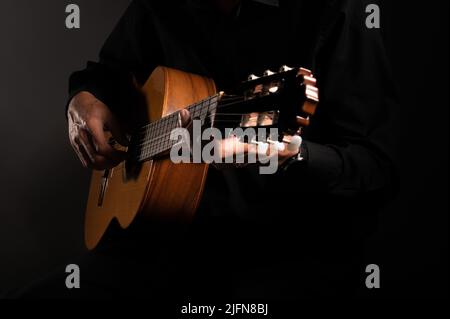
185	118
101	142
83	158
99	163
82	144
87	145
231	147
113	126
292	148
73	133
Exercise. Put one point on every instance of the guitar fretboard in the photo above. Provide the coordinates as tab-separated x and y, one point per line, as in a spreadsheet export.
154	139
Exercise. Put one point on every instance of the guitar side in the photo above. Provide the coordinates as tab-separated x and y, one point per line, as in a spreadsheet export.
160	190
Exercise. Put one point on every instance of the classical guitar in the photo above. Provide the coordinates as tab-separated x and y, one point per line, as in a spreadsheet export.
148	183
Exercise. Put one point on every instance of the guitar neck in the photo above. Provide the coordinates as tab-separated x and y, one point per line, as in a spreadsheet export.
154	139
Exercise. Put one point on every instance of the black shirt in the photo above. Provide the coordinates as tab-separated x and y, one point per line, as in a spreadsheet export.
319	206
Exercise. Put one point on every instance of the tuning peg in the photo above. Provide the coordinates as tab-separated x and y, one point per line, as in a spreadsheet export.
285	68
268	73
252	77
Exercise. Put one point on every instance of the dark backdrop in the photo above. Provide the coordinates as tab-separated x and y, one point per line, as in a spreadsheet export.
43	188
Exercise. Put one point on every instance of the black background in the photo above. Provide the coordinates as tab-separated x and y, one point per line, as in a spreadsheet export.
43	188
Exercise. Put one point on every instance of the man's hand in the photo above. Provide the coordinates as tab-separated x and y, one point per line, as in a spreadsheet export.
233	146
282	150
89	120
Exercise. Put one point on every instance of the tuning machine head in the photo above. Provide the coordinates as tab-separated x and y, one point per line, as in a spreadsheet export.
268	73
285	68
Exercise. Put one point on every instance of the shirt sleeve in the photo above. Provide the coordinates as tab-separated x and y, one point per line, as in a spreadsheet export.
129	55
349	147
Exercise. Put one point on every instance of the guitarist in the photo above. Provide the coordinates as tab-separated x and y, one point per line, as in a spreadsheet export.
297	233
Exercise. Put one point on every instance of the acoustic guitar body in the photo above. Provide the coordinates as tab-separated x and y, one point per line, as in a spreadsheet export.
157	189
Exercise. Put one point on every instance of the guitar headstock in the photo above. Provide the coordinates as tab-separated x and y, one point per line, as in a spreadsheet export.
286	99
296	90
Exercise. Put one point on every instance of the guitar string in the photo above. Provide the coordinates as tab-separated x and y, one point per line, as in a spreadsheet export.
162	144
211	116
219	96
149	147
200	104
174	116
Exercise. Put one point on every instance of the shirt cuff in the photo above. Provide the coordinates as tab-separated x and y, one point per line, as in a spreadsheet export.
320	168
